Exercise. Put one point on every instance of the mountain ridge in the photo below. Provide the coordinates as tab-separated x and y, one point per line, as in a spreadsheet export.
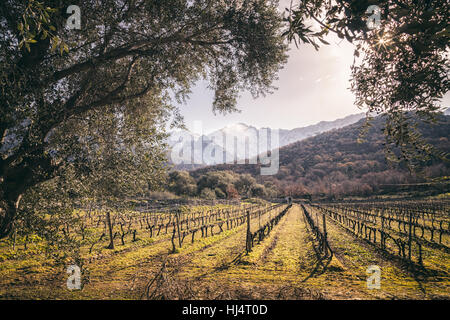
250	150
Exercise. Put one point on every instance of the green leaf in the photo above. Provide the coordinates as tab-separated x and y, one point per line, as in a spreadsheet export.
54	44
323	41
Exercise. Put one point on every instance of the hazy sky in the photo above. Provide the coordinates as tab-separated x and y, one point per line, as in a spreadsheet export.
312	87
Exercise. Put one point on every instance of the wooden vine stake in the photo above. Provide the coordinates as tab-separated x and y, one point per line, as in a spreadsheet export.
248	245
177	216
409	236
325	240
173	238
111	238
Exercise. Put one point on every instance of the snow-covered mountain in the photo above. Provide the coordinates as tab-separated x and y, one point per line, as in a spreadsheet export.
245	145
239	132
297	134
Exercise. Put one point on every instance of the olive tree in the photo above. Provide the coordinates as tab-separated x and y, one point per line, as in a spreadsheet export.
126	61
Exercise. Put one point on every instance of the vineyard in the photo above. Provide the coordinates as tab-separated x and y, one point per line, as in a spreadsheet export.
405	230
240	250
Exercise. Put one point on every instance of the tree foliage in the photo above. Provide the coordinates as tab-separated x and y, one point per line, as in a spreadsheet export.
217	184
181	183
66	93
401	66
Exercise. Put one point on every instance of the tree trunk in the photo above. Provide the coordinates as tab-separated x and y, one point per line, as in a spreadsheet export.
8	211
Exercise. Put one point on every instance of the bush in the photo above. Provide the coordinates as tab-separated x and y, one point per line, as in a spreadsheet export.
258	190
232	192
220	194
181	183
216	180
208	194
244	184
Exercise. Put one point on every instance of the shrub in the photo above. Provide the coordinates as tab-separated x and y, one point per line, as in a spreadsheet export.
208	194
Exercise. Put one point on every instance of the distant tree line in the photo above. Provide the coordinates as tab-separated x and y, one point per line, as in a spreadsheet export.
218	185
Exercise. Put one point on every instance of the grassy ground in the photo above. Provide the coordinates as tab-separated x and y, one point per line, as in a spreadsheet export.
283	266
